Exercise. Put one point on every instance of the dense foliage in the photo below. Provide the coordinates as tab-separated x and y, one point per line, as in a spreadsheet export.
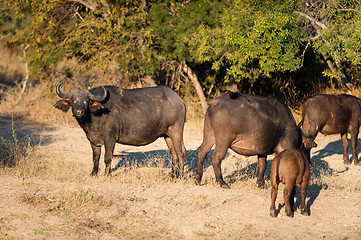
262	46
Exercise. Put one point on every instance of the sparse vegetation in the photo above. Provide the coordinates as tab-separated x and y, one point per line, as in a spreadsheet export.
17	153
45	160
138	198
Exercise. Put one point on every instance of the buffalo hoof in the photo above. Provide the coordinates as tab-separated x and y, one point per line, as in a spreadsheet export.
197	179
346	162
289	214
93	174
304	211
261	185
197	182
272	213
173	175
224	185
357	163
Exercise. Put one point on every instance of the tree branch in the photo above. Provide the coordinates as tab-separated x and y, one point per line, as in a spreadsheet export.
304	52
341	77
26	75
87	3
347	10
314	21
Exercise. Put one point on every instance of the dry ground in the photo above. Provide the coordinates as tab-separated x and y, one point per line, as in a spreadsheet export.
53	197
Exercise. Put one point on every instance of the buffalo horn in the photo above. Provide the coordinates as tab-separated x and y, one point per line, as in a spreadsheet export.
60	93
99	98
311	134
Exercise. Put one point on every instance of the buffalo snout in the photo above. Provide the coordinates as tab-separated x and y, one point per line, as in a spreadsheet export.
79	113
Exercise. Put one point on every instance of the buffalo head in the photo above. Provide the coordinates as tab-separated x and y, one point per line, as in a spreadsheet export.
309	134
308	138
81	101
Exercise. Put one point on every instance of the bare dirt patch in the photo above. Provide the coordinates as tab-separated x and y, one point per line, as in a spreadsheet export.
140	201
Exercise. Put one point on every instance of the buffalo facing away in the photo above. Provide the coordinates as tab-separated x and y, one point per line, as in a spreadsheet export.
291	167
249	125
333	114
137	117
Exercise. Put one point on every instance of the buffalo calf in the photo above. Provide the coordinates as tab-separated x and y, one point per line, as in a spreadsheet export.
290	167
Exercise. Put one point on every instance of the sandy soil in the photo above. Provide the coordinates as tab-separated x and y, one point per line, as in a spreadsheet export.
179	209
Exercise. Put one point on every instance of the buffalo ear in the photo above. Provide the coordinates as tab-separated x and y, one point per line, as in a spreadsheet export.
95	106
63	105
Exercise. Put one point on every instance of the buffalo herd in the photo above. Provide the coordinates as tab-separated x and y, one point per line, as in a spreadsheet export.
250	125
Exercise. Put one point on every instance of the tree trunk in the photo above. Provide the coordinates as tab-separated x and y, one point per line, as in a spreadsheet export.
193	77
341	77
26	75
319	27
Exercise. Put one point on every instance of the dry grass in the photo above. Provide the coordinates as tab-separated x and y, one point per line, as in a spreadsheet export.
93	207
18	154
90	209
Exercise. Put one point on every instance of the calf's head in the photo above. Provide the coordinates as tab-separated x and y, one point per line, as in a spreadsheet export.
81	101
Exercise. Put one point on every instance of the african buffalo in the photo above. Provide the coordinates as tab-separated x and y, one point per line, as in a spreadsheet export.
249	125
332	114
135	117
290	167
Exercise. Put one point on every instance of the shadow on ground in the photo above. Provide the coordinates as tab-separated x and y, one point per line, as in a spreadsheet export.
156	158
37	133
11	130
333	148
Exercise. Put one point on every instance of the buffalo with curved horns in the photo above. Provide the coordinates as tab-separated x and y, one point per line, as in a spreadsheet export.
249	125
333	114
137	117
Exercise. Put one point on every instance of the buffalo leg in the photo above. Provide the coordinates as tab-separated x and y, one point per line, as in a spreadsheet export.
354	135
202	152
292	199
274	191
182	156
346	159
303	193
217	156
96	157
288	192
204	148
175	161
109	150
176	143
262	164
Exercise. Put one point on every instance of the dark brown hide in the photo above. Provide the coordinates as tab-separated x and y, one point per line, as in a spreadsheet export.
133	117
249	125
333	114
290	167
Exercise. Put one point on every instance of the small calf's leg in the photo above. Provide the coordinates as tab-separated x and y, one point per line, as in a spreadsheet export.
272	209
287	192
303	193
